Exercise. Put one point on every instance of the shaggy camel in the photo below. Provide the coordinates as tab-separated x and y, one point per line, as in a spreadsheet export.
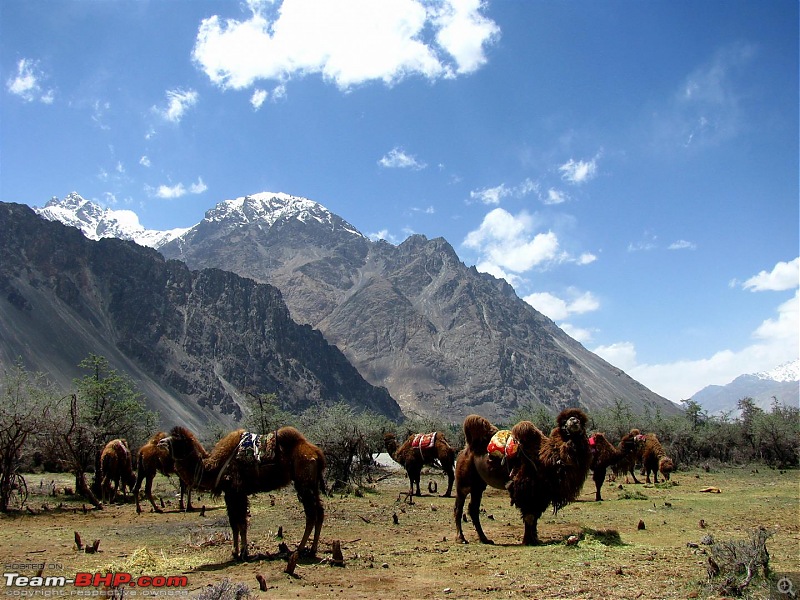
654	459
156	459
242	464
605	455
633	444
419	450
542	471
116	469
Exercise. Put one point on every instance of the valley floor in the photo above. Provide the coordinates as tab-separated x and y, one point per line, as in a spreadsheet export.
418	557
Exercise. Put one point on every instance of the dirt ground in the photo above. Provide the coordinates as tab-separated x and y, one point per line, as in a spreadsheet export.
417	557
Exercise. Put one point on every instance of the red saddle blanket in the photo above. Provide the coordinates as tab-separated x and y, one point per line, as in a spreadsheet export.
424	440
503	444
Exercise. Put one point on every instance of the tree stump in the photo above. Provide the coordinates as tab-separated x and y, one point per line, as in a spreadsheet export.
338	557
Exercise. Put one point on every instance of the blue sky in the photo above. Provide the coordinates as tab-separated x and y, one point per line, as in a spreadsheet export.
631	168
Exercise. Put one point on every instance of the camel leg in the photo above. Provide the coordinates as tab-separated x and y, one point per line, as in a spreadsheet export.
236	504
315	514
458	513
450	478
148	492
531	535
414	472
189	506
634	476
599	477
474	510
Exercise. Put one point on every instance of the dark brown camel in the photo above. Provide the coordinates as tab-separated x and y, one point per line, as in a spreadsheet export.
544	470
605	455
422	449
156	459
242	464
633	443
655	460
115	468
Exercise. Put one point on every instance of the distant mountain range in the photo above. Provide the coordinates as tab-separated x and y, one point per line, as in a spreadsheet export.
442	338
781	384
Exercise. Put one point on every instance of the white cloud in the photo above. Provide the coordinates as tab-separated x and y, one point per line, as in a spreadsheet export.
784	276
178	190
647	243
199	187
577	333
463	33
682	245
178	102
558	309
348	42
580	171
491	195
555	196
706	109
258	97
27	82
384	234
586	258
621	354
509	242
397	158
144	161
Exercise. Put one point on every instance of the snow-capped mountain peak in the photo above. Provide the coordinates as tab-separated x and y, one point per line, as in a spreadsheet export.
268	208
96	222
789	371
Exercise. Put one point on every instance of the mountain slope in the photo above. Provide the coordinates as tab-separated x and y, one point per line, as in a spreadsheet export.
444	339
781	384
193	342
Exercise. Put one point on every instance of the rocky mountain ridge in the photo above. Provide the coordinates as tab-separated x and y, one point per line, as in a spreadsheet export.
194	342
444	339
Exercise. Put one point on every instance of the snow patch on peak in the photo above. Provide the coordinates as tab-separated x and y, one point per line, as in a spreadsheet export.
96	222
789	371
268	208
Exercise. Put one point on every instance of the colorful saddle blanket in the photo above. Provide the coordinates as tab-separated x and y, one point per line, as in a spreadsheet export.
257	447
424	440
503	444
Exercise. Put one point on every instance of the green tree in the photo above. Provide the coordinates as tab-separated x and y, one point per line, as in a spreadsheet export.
265	413
105	406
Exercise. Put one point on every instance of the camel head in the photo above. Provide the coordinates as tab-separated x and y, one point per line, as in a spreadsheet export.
572	421
666	466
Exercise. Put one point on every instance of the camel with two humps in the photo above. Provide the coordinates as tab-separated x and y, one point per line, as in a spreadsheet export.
116	470
413	458
242	464
154	459
543	471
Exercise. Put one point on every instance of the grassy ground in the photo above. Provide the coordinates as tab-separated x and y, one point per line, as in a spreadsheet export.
418	557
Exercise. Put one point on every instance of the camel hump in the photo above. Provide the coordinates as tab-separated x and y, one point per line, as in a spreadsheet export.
477	432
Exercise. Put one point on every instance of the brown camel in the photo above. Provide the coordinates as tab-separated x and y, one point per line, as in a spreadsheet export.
156	459
633	444
542	471
242	464
605	455
115	468
422	449
655	460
